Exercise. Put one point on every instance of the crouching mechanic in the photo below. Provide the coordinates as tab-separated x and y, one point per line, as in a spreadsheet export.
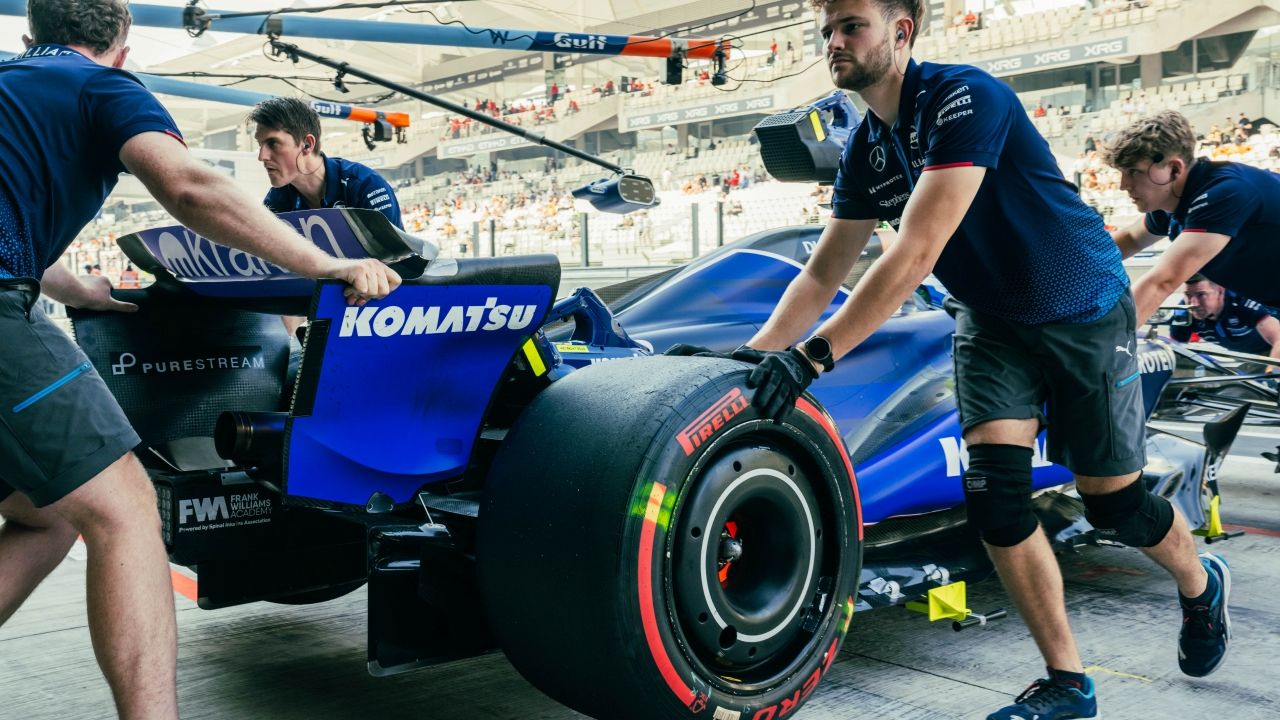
65	444
1224	317
1043	318
303	177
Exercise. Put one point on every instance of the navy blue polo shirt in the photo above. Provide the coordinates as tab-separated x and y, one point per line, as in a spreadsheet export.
65	120
1243	203
1028	250
346	185
1235	328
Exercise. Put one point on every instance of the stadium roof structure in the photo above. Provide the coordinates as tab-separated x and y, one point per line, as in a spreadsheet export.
243	61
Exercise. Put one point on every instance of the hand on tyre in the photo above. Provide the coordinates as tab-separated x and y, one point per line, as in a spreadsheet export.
742	353
687	350
366	279
778	379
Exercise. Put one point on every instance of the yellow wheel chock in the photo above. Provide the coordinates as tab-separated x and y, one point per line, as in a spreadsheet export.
1214	531
948	602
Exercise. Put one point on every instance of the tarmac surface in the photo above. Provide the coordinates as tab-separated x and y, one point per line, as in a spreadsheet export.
308	662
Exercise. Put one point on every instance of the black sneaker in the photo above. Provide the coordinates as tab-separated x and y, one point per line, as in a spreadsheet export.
1206	629
1051	700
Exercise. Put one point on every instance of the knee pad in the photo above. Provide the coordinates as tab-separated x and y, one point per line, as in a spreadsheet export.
997	493
1131	516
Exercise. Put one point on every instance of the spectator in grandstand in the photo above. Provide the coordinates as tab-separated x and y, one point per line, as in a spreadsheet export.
1079	168
1221	316
68	464
1244	124
1221	216
1090	144
1042	306
128	278
1039	110
773	51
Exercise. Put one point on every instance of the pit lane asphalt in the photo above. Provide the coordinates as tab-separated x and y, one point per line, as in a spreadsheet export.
269	661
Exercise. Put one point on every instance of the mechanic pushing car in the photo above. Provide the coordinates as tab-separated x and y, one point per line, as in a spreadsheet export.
1222	216
1224	317
73	122
303	177
1043	312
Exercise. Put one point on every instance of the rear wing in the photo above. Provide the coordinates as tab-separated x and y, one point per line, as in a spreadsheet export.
185	261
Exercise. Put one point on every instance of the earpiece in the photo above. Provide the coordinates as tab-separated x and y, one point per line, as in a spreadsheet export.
901	36
306	146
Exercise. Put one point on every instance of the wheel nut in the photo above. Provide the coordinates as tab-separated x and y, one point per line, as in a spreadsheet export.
730	550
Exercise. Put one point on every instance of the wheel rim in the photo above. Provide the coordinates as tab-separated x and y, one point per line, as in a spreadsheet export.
747	564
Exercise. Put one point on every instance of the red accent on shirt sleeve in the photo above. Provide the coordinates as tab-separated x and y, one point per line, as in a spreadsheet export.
944	166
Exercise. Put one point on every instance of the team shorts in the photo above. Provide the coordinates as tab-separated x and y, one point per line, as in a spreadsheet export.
1080	380
59	425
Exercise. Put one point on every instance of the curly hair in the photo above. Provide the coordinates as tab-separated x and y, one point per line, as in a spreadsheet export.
96	24
913	9
1163	135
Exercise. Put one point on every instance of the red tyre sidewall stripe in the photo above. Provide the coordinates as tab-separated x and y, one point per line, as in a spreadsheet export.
648	614
827	425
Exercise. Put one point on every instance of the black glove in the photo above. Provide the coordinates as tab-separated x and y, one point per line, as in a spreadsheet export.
748	354
743	353
686	350
779	378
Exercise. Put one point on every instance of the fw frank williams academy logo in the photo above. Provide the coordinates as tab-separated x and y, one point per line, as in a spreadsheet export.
248	357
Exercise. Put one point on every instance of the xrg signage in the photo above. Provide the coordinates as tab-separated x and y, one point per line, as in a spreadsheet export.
1074	55
696	113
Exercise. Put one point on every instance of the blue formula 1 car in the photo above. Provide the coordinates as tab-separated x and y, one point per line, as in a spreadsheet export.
504	470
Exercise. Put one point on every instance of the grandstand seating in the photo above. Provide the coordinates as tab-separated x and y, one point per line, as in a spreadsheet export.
998	35
1134	104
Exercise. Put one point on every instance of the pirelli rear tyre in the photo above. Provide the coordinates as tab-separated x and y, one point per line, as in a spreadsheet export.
651	549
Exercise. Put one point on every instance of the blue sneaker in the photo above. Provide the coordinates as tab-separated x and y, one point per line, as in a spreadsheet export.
1051	700
1206	629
